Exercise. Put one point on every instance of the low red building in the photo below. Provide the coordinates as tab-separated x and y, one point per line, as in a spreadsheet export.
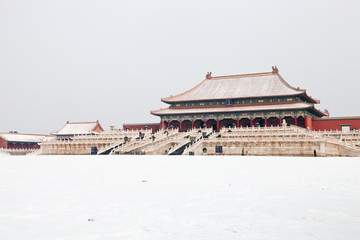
142	126
336	123
14	140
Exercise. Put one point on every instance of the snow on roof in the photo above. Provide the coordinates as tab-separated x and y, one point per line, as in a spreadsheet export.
21	137
298	105
238	86
72	128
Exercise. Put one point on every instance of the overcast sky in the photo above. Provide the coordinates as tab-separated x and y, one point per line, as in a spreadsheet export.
113	60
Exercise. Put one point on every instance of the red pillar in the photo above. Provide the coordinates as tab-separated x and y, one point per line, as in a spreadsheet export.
238	122
180	126
168	124
251	122
161	124
280	121
308	122
295	118
205	122
192	124
266	122
218	124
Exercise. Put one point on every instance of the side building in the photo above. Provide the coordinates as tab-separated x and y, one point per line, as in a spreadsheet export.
80	138
14	143
78	128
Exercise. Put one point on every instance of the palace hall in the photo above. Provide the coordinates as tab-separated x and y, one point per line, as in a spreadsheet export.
247	100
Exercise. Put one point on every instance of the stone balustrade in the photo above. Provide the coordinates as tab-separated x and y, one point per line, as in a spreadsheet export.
275	140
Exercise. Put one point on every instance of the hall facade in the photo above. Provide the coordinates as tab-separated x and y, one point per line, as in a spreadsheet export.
247	100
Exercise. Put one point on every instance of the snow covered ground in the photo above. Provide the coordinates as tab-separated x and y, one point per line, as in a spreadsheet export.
180	197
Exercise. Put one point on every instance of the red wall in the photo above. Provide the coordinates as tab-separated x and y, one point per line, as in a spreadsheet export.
18	145
335	123
153	127
3	143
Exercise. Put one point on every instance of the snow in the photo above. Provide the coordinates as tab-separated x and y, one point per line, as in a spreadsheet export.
179	197
77	128
240	86
19	137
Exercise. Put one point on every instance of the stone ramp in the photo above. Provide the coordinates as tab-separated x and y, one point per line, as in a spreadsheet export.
179	149
107	150
140	146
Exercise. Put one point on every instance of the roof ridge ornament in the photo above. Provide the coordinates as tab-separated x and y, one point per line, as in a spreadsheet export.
327	114
208	75
275	69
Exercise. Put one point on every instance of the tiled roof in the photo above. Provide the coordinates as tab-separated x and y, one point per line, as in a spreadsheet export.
238	86
21	137
72	128
269	107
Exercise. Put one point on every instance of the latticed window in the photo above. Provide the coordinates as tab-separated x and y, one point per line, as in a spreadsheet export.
218	149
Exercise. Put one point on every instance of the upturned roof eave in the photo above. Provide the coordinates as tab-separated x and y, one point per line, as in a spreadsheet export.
319	112
155	112
303	91
168	99
313	100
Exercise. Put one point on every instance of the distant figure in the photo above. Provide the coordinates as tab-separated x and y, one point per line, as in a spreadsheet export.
314	153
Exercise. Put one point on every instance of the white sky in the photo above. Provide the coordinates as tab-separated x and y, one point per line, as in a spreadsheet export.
114	60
